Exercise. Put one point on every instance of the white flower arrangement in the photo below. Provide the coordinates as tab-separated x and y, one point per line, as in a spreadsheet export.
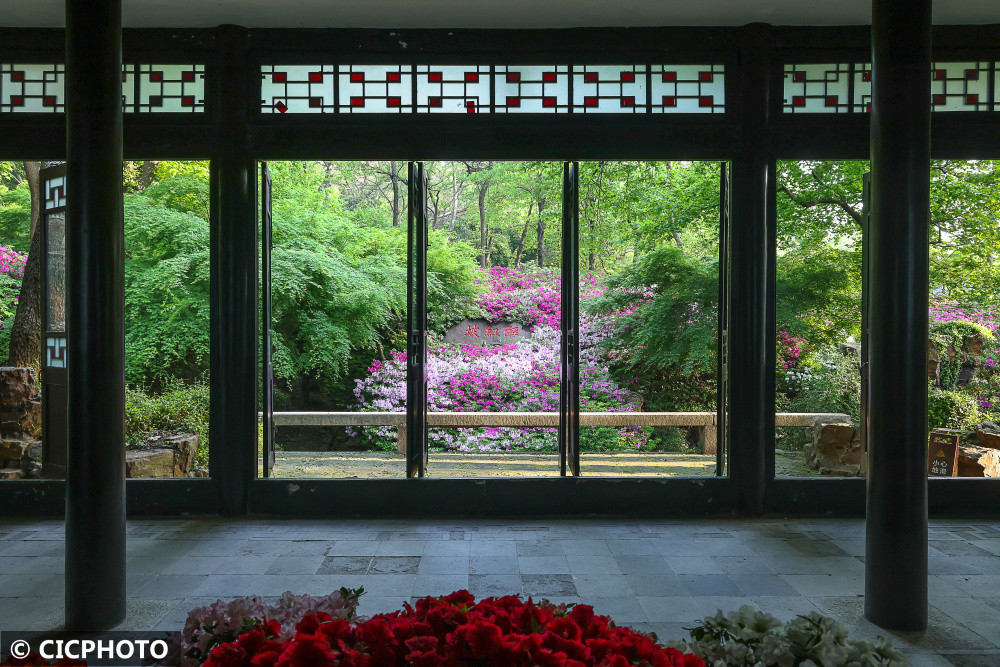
753	638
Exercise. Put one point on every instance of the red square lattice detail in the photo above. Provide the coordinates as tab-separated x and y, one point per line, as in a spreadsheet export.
799	77
187	76
17	101
549	77
17	75
706	100
548	101
940	74
315	102
280	106
393	102
513	77
589	101
435	77
798	101
669	77
971	74
156	76
433	101
513	101
937	99
49	101
867	76
831	100
315	77
470	107
628	77
357	101
972	99
628	101
279	77
705	77
471	77
359	77
187	100
669	101
590	77
393	77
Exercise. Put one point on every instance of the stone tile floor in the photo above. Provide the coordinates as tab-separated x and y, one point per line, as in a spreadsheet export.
656	575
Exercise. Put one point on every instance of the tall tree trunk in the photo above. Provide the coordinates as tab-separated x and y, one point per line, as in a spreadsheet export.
541	232
394	177
26	331
147	170
485	256
454	199
524	236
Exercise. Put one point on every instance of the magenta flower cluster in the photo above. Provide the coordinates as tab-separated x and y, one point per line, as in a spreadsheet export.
12	265
521	376
790	350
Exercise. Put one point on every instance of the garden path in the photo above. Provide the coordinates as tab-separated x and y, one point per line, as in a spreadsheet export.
512	464
488	464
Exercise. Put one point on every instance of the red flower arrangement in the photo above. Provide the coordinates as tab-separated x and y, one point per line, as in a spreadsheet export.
454	630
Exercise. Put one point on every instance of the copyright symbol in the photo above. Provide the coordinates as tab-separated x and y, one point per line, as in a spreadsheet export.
20	649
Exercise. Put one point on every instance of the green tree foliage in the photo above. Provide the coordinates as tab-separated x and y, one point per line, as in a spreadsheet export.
15	217
166	292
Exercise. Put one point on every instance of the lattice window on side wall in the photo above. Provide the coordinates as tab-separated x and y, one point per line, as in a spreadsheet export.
817	88
297	89
687	89
531	89
453	89
32	88
375	89
166	89
55	351
609	88
55	192
960	86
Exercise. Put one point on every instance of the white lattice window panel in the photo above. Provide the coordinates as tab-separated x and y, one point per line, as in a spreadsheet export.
375	88
687	89
531	89
297	89
609	89
961	86
453	89
817	88
37	88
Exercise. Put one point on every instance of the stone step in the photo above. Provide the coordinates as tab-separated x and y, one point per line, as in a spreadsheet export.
13	449
11	473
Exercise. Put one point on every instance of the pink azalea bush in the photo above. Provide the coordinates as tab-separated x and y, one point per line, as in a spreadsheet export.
12	265
520	376
222	622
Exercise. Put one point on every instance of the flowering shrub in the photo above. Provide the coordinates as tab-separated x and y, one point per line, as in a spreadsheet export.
222	622
791	350
520	376
454	630
11	270
754	638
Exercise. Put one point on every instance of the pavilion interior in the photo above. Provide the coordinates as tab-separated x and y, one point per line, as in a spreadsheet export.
264	143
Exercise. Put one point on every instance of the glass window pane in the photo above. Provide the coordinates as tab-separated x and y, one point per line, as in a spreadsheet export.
649	289
55	270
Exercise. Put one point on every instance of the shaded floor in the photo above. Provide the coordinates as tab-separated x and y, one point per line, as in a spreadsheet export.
656	575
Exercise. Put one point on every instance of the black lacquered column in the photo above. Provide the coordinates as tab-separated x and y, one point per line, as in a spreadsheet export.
751	288
896	540
95	480
235	373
